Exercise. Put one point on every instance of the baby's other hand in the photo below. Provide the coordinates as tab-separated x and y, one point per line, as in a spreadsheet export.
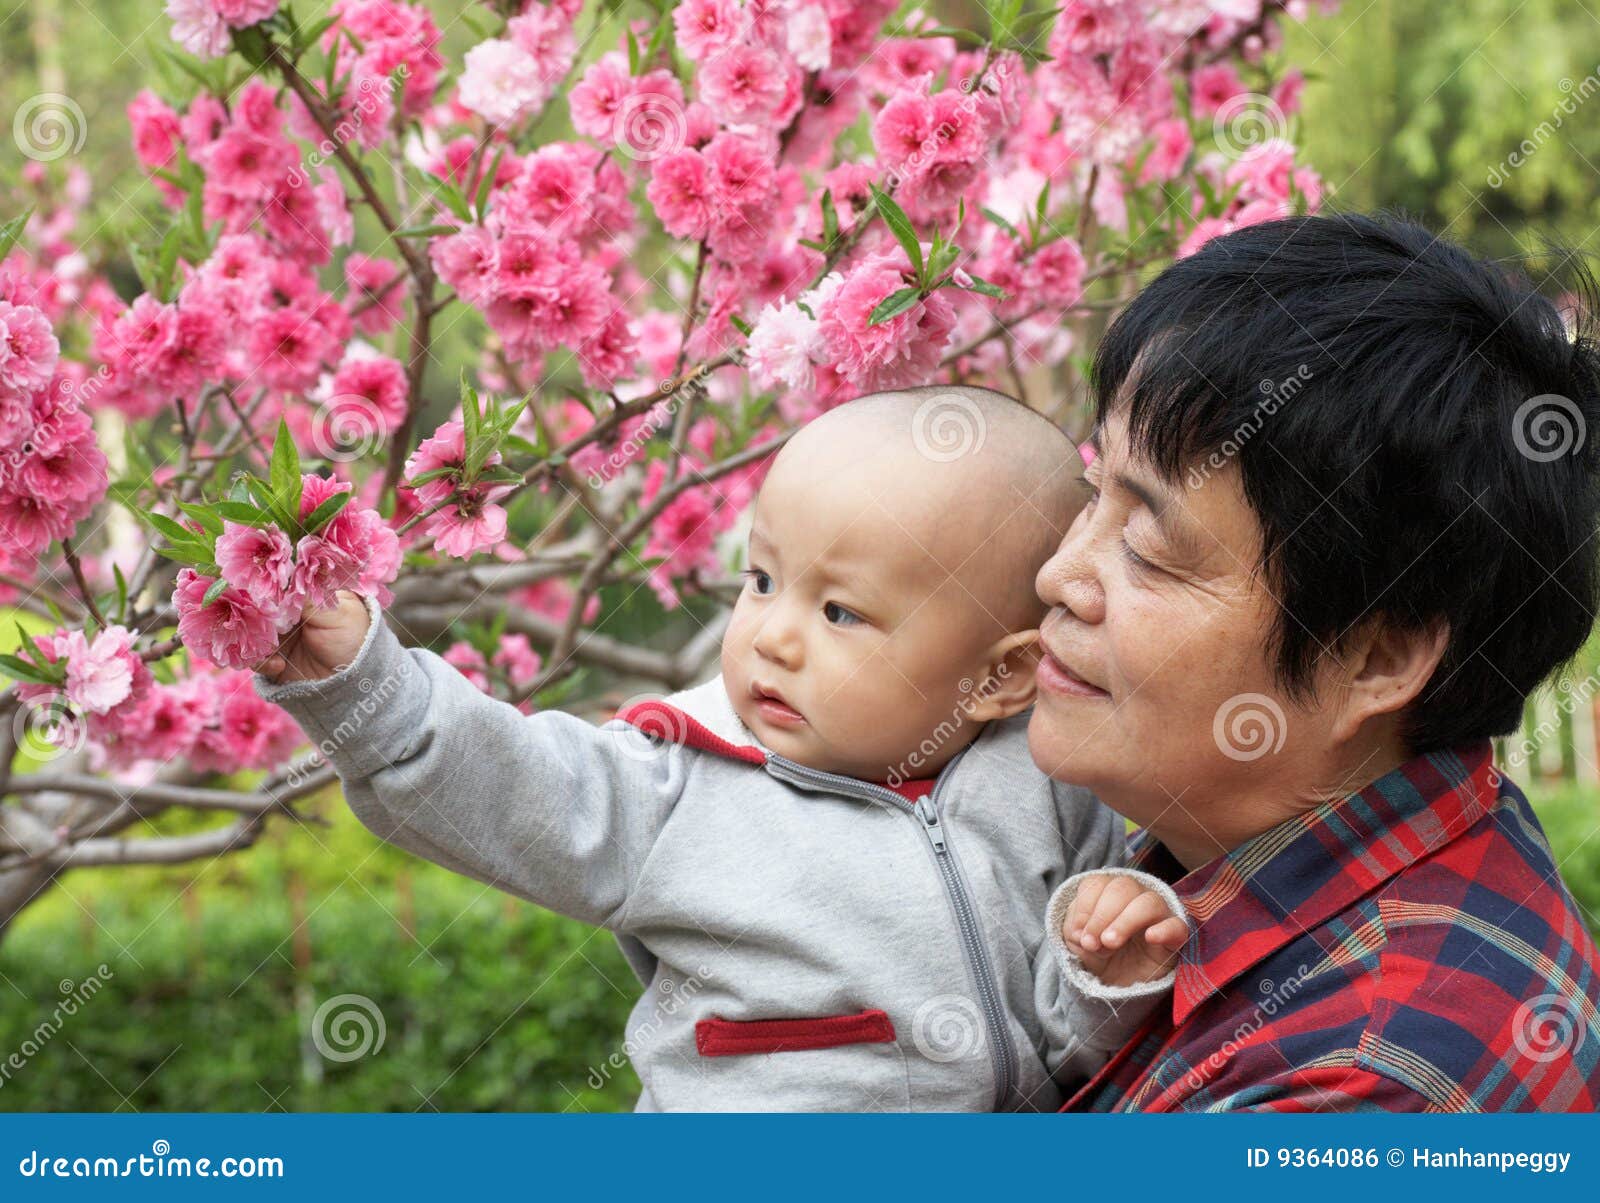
326	639
1122	931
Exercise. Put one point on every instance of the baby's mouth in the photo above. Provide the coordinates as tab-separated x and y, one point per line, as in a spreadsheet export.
772	707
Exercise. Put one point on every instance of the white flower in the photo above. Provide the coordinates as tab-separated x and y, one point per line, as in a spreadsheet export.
500	81
809	37
783	347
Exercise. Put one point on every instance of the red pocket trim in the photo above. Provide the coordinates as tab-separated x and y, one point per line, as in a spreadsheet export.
718	1037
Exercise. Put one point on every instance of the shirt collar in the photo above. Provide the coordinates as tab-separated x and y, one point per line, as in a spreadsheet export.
1285	882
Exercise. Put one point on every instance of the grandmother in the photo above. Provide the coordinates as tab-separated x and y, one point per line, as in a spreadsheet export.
1342	522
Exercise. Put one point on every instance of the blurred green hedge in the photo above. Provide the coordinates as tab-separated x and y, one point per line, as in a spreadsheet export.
492	1004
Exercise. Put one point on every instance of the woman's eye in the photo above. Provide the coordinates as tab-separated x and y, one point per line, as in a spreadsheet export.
1137	560
760	582
838	615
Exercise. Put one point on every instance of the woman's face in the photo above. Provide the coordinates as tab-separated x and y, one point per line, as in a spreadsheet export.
1156	690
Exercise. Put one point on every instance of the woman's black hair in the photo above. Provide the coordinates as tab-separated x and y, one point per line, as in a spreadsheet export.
1416	430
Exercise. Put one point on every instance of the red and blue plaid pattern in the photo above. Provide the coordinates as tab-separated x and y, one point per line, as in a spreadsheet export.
1410	947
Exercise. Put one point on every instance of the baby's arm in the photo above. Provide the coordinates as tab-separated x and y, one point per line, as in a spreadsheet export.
544	806
1086	1018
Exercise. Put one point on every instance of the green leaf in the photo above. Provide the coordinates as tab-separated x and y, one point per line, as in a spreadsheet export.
11	231
995	218
285	474
739	324
900	226
965	37
633	52
425	231
453	200
486	184
894	305
213	592
319	517
204	515
22	670
243	513
979	284
830	219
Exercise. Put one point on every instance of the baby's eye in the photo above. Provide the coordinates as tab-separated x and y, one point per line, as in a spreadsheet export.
760	582
839	616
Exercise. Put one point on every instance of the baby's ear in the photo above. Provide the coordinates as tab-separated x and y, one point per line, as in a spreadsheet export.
1005	686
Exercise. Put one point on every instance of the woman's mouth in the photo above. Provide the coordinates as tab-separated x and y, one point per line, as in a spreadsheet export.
1055	677
772	707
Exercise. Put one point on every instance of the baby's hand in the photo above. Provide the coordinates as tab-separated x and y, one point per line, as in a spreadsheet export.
325	640
1121	931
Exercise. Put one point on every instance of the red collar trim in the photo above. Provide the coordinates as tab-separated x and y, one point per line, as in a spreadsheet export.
675	726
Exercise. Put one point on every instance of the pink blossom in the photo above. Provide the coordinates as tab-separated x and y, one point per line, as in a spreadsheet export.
1213	86
156	131
469	662
321	569
1264	171
199	28
1170	151
783	347
368	396
518	658
744	84
233	631
904	350
100	675
258	562
596	98
704	27
28	348
502	82
1203	232
680	191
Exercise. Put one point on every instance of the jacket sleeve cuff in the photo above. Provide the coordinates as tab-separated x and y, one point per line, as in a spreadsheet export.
361	716
1072	969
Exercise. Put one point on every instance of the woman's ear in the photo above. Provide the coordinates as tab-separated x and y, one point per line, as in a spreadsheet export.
1387	668
1005	685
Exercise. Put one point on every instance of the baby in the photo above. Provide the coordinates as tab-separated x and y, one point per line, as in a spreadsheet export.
831	865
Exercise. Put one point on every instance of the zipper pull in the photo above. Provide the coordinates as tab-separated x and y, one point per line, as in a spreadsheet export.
930	822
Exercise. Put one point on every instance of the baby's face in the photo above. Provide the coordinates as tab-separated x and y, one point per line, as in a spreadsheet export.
852	645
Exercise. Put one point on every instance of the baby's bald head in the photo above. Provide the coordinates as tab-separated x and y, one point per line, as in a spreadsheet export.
971	483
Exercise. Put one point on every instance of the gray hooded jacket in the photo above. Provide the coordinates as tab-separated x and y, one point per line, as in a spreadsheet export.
807	941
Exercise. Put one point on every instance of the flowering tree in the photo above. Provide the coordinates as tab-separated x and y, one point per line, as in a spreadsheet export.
664	254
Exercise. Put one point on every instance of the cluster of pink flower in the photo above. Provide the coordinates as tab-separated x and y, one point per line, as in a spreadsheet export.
767	157
51	472
108	698
269	580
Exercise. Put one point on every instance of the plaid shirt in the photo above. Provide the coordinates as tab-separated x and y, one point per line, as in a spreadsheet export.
1408	948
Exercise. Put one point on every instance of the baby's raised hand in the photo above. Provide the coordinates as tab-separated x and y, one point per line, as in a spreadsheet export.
326	639
1122	931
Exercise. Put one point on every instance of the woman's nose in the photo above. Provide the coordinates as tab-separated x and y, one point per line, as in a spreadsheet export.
1069	578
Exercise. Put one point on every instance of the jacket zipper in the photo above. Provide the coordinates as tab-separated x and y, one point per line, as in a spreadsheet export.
925	812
